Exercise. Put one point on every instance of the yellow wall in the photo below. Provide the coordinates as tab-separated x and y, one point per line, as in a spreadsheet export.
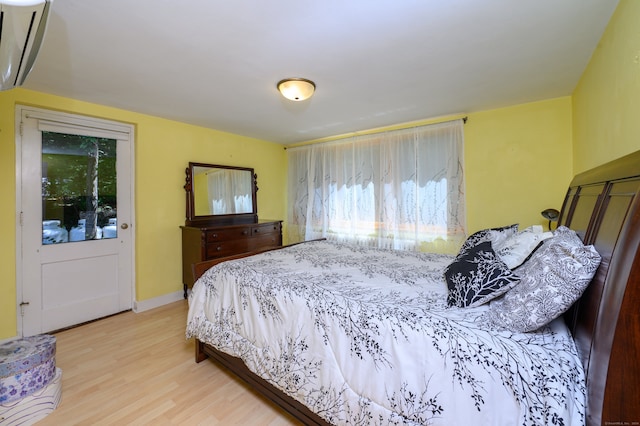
606	102
517	163
162	150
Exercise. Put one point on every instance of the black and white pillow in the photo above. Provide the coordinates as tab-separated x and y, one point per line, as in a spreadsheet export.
551	281
496	236
476	276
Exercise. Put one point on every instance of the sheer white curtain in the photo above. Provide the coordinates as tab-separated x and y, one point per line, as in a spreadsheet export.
400	189
229	192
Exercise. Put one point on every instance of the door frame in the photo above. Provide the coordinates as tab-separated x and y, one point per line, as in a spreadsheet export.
78	120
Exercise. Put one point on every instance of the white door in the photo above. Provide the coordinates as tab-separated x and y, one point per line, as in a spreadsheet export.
75	238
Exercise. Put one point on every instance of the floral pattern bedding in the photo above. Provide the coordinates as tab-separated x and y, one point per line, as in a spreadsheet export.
365	336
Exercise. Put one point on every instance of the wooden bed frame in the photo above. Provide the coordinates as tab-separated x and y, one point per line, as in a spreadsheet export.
602	205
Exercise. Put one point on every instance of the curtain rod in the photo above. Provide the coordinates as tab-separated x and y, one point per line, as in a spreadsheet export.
464	121
355	134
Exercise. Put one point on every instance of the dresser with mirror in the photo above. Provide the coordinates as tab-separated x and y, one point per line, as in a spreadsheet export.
222	216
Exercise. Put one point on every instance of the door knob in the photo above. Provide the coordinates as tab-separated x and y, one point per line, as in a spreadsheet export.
124	226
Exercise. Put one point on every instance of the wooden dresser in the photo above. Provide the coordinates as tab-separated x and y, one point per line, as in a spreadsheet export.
205	242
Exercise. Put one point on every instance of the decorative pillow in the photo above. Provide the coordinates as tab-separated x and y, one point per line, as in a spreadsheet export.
476	276
495	235
554	278
516	249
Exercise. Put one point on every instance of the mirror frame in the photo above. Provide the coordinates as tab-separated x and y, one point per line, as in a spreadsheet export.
218	219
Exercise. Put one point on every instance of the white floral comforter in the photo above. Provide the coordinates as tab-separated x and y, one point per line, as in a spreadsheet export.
364	336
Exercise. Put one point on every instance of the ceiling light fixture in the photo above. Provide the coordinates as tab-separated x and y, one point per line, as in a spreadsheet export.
296	89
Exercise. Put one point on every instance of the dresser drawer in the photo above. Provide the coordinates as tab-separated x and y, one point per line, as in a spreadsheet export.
228	234
264	241
212	242
227	248
267	228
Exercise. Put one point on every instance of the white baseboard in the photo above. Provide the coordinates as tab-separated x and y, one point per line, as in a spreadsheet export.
145	305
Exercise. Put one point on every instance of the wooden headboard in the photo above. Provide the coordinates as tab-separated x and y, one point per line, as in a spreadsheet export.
602	205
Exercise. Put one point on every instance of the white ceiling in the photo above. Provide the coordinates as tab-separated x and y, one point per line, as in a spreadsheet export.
215	63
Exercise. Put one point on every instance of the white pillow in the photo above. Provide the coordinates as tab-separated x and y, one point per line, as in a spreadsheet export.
517	248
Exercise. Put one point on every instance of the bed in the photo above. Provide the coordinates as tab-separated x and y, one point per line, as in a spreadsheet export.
337	334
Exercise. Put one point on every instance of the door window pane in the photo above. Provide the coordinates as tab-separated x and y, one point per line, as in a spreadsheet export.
78	188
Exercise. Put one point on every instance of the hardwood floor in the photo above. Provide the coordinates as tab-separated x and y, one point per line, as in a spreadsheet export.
137	369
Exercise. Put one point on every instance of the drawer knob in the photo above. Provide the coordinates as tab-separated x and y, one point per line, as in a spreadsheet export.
218	248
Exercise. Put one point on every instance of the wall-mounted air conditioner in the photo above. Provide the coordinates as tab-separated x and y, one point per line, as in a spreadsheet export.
22	27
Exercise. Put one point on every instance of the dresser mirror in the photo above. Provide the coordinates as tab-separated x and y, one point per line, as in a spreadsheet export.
220	195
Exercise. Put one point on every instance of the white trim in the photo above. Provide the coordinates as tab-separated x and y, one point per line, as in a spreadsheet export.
71	120
53	126
18	137
156	302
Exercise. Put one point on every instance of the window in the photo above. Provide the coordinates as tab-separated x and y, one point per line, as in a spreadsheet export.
400	189
78	188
